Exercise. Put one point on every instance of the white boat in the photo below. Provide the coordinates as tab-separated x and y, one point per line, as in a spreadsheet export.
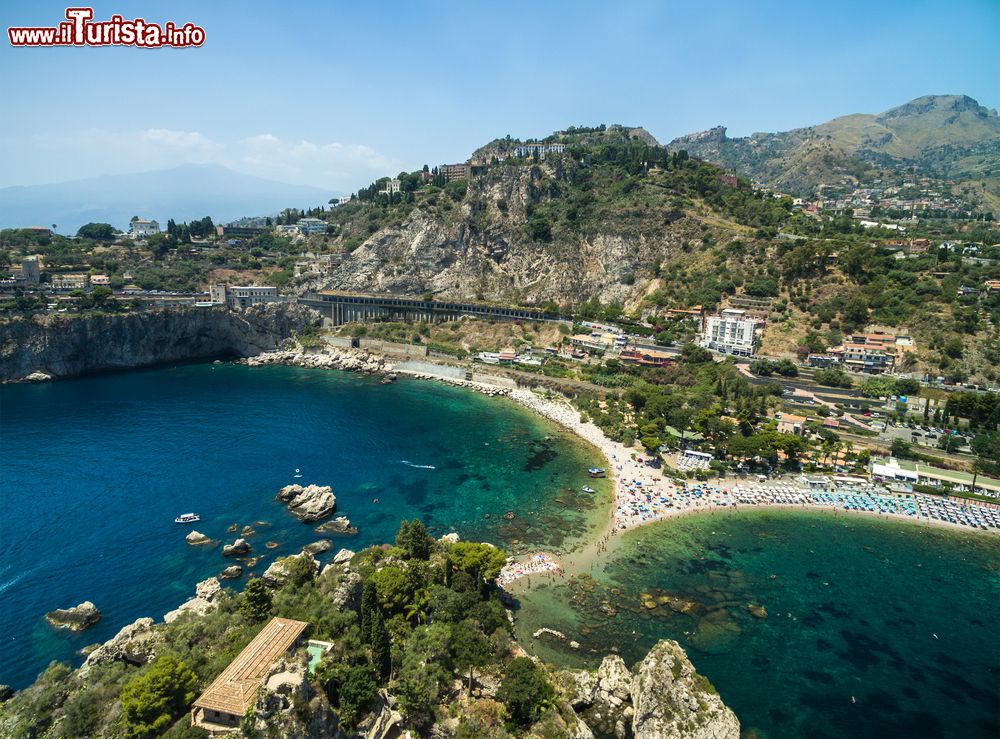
296	473
187	518
588	489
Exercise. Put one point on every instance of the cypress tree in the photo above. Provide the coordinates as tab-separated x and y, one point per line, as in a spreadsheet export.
381	655
369	605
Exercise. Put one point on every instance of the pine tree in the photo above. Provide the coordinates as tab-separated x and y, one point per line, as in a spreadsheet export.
381	654
369	604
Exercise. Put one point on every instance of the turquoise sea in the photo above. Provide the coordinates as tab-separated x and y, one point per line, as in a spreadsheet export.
95	470
873	629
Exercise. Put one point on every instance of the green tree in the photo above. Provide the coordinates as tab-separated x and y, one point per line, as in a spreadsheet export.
413	538
255	601
98	231
471	646
381	652
369	604
351	688
153	700
525	691
482	561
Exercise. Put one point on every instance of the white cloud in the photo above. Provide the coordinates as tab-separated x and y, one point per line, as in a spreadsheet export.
89	152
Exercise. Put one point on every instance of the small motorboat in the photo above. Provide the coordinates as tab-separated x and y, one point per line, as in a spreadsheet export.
297	473
597	472
588	489
187	518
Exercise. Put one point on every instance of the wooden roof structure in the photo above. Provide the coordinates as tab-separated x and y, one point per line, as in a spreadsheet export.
236	686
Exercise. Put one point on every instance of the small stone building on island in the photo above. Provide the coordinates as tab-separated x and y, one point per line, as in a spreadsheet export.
221	708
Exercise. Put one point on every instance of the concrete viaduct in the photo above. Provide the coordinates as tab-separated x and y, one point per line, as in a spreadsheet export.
341	308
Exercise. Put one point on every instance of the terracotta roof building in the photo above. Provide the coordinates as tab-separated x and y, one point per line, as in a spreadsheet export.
222	706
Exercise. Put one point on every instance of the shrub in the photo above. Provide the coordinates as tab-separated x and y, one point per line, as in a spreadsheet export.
152	701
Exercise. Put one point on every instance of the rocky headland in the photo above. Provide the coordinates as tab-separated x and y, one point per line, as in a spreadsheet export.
55	346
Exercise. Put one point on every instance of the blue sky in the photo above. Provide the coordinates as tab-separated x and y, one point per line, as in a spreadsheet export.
334	94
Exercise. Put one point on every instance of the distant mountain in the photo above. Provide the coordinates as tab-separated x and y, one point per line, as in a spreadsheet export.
182	193
945	136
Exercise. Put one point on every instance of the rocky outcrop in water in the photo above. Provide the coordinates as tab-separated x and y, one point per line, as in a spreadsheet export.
59	345
238	548
309	503
196	537
77	618
664	699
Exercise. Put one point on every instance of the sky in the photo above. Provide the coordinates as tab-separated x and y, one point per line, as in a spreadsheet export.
335	94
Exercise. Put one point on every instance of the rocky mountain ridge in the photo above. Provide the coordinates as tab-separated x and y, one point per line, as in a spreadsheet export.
938	135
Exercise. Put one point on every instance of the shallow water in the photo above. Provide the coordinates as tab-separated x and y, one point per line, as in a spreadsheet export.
96	469
873	629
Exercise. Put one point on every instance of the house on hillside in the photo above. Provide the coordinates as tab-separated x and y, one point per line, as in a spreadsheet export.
222	706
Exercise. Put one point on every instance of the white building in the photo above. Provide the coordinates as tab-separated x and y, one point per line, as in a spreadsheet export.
236	296
391	187
140	229
245	296
527	150
732	332
311	225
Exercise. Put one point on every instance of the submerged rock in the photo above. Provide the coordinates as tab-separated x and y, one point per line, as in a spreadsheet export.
757	611
77	618
309	503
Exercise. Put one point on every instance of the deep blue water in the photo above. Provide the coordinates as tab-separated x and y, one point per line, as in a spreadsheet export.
874	629
95	470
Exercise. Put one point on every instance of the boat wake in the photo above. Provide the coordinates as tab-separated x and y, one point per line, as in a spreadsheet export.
417	466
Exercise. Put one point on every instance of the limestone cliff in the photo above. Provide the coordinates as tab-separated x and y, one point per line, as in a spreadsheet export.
69	345
483	248
663	699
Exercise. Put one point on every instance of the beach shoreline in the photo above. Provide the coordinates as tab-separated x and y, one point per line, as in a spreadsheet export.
632	481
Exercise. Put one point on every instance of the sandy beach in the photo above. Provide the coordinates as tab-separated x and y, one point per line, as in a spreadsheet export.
642	495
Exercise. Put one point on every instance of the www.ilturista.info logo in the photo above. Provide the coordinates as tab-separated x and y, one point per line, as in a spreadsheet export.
79	29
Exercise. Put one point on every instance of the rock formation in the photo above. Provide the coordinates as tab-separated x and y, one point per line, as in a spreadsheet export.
196	537
664	699
58	345
309	503
207	594
238	548
339	525
231	573
318	547
135	644
77	618
671	700
278	573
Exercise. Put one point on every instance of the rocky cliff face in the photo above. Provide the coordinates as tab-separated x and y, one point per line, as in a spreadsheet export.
663	699
66	346
479	250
